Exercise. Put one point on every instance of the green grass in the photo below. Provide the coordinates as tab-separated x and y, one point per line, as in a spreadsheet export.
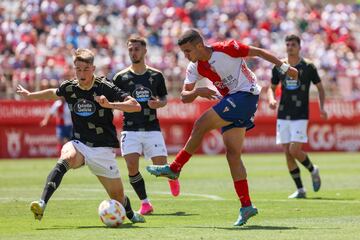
205	210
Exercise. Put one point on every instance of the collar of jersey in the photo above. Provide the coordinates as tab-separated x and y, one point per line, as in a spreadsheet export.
87	89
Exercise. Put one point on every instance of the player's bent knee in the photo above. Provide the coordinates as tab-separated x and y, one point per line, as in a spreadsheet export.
233	153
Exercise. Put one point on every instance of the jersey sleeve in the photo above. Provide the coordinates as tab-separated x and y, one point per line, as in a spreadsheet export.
117	80
112	92
192	74
62	89
161	88
314	76
275	76
233	48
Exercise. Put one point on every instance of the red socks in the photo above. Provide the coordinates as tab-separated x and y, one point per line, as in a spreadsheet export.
180	160
242	191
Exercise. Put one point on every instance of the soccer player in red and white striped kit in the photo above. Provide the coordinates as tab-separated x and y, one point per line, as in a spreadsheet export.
223	63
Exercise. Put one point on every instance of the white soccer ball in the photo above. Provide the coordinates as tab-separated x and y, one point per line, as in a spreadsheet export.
111	213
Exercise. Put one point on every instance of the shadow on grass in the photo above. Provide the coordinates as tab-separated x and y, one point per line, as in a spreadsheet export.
179	214
262	227
259	227
252	227
125	225
330	199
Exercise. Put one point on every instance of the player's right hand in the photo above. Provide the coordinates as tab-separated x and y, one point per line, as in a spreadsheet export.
103	101
206	93
273	104
292	72
22	91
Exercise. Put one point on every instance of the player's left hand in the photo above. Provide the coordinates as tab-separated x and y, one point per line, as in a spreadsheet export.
292	72
22	91
103	101
323	114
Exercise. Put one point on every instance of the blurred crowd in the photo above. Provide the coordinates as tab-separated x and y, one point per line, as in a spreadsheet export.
37	37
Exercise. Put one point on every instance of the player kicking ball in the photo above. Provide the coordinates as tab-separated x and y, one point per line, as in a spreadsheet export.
94	135
223	64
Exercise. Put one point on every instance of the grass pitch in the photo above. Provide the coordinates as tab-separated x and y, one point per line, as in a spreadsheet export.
206	208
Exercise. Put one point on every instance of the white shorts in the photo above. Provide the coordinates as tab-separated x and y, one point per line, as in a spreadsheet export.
151	143
100	160
288	131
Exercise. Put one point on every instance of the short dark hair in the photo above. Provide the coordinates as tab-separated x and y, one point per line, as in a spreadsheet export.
84	55
293	37
136	39
191	35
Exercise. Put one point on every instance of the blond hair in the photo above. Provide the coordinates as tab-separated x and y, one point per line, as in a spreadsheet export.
84	55
136	39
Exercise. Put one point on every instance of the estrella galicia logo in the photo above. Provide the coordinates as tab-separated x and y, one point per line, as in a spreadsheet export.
142	94
84	108
291	84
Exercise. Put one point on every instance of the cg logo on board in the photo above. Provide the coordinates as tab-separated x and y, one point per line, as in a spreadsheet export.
321	137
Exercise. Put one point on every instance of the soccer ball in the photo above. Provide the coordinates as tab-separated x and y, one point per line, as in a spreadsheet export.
111	213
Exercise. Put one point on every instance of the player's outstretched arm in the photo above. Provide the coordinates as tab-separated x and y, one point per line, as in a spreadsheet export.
283	67
190	93
49	93
128	105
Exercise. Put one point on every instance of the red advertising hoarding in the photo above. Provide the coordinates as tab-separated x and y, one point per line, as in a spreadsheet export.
21	136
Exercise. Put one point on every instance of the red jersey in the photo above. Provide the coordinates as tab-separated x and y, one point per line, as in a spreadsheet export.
226	69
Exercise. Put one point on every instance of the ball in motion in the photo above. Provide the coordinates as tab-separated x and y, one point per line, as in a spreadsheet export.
111	213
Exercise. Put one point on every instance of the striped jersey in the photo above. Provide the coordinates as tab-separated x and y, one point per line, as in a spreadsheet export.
226	69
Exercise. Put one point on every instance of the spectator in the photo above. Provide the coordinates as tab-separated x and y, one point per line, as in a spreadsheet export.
42	29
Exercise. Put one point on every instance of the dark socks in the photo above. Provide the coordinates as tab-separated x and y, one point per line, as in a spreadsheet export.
295	174
138	183
54	179
128	209
308	164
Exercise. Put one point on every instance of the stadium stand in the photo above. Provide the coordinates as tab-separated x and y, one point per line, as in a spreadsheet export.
37	36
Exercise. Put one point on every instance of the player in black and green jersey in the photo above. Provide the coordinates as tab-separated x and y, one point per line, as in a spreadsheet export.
94	135
141	130
293	112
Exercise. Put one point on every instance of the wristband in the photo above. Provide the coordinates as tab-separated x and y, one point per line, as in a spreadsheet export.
284	68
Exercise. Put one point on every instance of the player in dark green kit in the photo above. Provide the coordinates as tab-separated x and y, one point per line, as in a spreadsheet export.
94	135
293	113
141	130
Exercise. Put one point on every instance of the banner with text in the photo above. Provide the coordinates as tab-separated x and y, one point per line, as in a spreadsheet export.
21	135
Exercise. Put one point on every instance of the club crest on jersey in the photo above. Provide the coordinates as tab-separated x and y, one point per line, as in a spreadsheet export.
84	108
226	109
142	94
